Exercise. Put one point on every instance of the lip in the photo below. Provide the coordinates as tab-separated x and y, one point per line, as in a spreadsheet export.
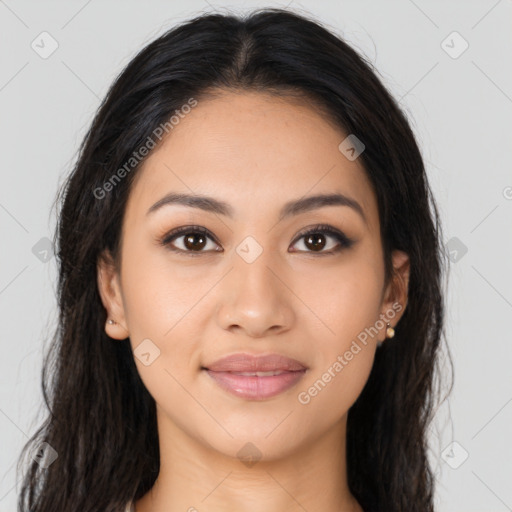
226	372
256	388
252	363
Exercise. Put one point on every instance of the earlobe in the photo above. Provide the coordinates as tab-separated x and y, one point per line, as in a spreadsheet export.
109	288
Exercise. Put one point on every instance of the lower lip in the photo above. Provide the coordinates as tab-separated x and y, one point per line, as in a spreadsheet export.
254	387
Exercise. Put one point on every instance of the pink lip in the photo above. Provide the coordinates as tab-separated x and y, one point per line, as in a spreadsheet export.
226	373
250	363
254	387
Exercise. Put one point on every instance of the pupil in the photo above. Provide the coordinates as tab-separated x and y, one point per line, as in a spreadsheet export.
191	238
316	237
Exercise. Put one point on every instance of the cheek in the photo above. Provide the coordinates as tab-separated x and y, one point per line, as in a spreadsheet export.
331	391
159	304
347	303
344	297
158	293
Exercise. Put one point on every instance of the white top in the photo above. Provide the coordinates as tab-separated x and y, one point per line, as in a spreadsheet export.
130	507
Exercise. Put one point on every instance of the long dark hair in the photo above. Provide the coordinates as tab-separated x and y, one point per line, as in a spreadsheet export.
102	420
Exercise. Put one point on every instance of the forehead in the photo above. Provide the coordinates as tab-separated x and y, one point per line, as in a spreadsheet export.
251	149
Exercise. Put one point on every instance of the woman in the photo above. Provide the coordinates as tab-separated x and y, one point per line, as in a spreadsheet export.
250	293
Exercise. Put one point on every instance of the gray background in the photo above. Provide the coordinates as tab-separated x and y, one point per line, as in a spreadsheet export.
459	105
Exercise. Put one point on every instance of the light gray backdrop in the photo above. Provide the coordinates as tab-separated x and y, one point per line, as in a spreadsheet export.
447	62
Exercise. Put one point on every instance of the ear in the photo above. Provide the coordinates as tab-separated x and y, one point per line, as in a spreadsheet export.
109	288
396	294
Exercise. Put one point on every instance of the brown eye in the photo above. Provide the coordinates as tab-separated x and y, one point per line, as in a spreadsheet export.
316	239
191	239
195	241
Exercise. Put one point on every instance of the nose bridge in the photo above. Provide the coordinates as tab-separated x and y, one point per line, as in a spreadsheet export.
253	298
252	271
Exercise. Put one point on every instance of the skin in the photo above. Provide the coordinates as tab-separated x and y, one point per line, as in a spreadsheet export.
255	152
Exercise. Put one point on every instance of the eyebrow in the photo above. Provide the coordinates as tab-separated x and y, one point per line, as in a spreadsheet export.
295	207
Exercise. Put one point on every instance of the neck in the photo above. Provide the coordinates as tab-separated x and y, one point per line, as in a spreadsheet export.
194	477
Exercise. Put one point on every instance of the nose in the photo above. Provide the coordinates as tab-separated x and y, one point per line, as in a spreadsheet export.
254	298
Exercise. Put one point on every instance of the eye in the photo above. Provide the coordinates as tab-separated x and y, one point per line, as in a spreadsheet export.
315	240
195	240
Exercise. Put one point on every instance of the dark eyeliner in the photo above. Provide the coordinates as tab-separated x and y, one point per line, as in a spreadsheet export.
341	238
344	241
175	233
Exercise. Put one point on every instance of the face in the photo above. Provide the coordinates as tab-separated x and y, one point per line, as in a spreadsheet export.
251	281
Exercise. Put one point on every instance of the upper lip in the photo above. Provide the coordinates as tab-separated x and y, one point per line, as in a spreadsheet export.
251	363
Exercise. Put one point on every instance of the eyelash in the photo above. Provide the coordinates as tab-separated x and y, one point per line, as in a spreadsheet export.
341	238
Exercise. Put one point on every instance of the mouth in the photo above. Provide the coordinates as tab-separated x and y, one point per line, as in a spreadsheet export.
256	385
255	376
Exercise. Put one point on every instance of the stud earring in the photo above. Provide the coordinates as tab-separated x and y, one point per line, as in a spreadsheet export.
110	321
390	332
